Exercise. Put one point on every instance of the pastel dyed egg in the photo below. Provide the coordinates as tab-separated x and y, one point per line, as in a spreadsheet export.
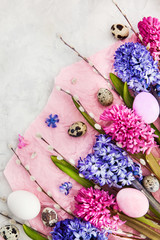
23	204
146	106
132	202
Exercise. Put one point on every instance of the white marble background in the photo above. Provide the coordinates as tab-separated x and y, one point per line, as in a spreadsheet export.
31	55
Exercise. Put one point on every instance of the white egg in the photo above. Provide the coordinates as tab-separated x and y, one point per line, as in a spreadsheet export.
23	204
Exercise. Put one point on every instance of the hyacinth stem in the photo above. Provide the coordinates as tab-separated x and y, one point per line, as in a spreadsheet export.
87	61
140	227
29	173
152	200
154	212
155	219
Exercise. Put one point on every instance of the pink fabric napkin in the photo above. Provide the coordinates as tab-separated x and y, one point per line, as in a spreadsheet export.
45	172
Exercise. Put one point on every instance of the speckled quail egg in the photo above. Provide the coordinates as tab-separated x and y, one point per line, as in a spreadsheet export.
9	232
49	217
77	129
119	31
105	97
151	183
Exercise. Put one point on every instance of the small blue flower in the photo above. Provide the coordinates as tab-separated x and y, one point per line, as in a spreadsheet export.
76	229
109	164
65	187
52	120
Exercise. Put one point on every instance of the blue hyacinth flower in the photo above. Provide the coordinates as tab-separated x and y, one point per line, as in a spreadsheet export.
109	164
77	229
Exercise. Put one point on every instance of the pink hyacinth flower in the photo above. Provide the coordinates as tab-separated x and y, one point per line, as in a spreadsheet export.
22	142
128	129
98	207
149	29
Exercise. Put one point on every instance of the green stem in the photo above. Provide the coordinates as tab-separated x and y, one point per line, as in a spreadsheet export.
140	227
153	218
154	211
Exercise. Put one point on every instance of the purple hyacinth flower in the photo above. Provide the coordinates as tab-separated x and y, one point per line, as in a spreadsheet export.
109	164
135	65
75	229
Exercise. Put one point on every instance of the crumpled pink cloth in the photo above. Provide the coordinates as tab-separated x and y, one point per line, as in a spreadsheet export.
45	172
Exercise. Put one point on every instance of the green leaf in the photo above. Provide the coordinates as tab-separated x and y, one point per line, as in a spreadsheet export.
128	99
65	163
118	84
154	211
90	120
157	132
148	222
140	227
71	171
32	233
152	161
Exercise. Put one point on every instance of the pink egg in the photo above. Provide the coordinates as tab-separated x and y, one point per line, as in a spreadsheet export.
146	106
132	202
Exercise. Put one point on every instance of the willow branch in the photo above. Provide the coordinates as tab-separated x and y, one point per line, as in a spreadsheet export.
124	15
27	170
86	60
